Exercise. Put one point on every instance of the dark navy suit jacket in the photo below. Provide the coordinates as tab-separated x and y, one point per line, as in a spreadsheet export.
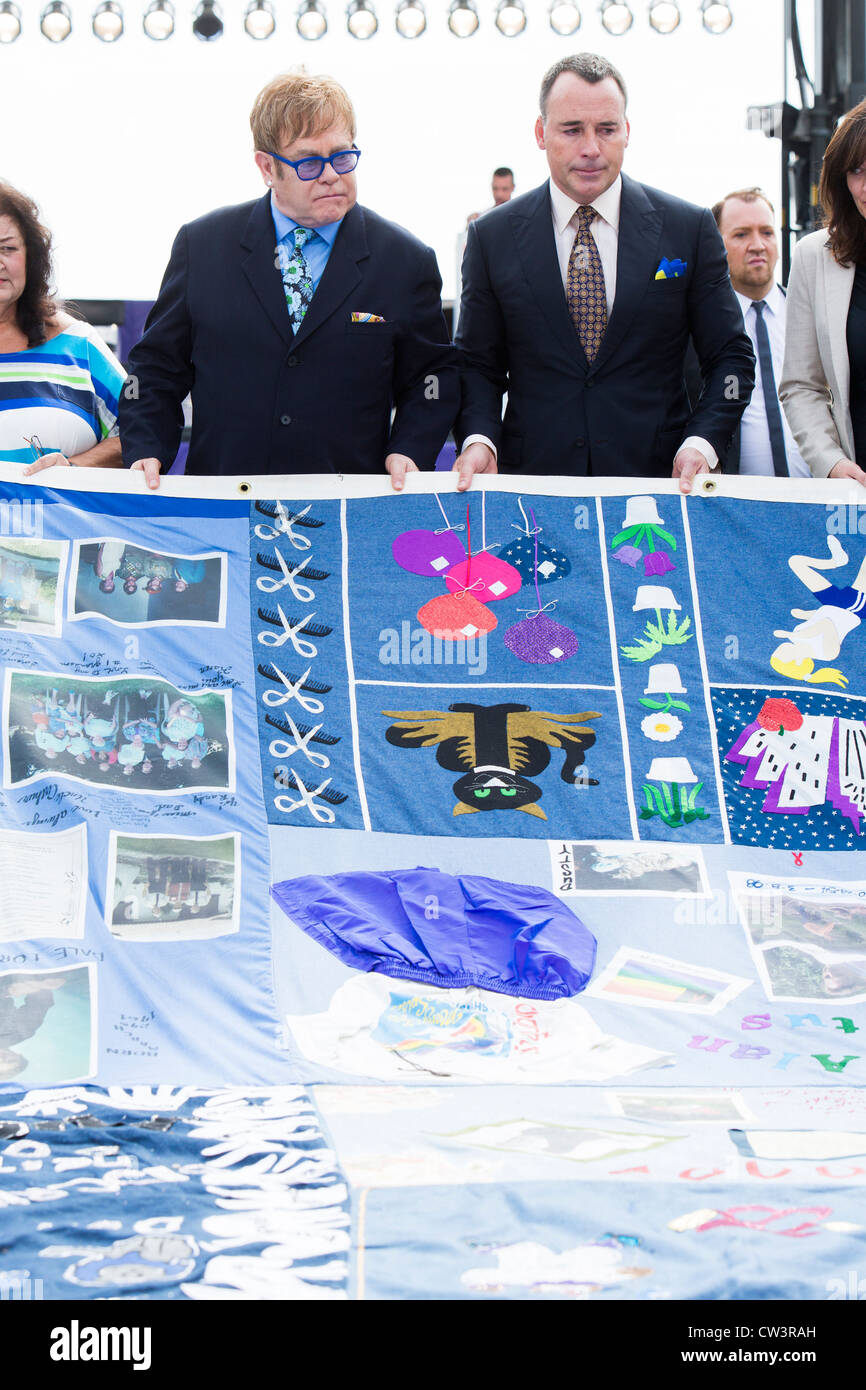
627	413
266	400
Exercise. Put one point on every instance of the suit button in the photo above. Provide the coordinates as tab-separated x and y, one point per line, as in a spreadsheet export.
580	443
291	361
589	382
285	419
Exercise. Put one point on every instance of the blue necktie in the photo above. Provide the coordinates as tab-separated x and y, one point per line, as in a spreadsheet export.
297	281
771	399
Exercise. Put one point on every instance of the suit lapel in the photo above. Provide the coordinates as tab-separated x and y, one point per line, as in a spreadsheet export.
341	276
536	246
260	266
838	284
637	255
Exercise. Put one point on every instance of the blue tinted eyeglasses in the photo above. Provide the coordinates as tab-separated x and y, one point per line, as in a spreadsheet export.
312	167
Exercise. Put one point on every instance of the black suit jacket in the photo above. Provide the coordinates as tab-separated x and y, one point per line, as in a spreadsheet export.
627	413
730	459
266	400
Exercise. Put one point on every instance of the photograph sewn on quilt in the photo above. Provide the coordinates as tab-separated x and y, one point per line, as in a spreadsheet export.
703	1107
604	867
131	586
31	585
171	888
807	939
47	1026
132	733
657	982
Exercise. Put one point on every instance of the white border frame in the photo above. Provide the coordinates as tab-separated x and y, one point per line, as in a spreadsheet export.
231	929
37	629
618	1099
93	614
57	772
92	976
49	838
732	985
632	847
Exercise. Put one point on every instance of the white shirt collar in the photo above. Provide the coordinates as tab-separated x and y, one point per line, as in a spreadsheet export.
607	205
774	301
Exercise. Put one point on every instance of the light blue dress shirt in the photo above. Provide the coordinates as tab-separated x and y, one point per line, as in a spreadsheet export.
317	249
756	455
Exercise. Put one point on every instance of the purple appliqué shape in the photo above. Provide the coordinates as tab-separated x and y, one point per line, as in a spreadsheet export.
752	782
541	641
423	552
834	793
628	555
657	563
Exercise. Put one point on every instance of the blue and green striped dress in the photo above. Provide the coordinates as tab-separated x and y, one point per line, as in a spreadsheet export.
65	392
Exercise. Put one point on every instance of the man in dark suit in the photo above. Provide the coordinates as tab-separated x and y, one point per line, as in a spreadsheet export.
298	322
579	299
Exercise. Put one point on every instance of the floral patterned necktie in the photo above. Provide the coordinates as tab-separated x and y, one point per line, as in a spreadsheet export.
297	282
585	290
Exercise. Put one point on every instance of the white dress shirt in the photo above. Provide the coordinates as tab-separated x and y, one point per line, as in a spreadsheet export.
756	455
604	230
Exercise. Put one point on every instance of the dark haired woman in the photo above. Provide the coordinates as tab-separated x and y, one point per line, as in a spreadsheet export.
59	383
823	386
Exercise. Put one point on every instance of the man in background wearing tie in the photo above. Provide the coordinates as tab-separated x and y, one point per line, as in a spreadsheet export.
579	299
298	321
764	443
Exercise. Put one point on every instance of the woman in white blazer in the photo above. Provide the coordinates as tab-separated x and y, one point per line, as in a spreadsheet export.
823	386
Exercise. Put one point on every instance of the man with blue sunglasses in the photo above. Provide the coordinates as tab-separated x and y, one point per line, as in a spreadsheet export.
308	330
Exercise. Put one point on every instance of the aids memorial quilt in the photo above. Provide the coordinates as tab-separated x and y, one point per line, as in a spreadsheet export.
368	860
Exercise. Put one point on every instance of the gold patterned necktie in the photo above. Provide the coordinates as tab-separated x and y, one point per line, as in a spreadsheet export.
585	291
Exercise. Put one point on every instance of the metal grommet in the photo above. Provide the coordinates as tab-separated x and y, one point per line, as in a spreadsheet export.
709	485
244	487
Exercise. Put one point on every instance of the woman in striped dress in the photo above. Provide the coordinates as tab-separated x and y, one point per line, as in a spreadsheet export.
59	383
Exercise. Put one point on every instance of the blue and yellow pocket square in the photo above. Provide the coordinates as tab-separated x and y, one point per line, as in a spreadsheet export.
670	270
366	318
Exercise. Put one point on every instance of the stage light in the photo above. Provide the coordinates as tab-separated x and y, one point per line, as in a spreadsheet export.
158	21
463	18
207	24
564	17
510	18
56	22
410	19
108	21
664	16
361	20
311	22
10	22
716	17
616	18
259	20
